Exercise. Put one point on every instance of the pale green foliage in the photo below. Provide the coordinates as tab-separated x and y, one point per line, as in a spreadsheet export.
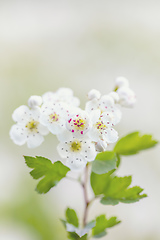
52	173
115	189
133	143
102	223
71	217
104	162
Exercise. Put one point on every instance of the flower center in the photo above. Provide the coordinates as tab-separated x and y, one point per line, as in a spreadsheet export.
100	126
79	123
32	126
75	146
54	117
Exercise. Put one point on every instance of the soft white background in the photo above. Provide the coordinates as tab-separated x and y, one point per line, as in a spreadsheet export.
45	45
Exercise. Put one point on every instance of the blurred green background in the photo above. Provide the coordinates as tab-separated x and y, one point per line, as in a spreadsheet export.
45	45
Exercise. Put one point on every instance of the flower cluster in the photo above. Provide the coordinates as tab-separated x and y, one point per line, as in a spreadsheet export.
81	133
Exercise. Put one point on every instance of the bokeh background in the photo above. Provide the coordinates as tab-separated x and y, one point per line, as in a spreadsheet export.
47	44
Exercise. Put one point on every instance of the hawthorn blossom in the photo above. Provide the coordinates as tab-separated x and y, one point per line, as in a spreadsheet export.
79	124
102	131
61	95
77	152
54	116
27	129
105	104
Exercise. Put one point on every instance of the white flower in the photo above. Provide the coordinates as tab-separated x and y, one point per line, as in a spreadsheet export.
61	95
102	131
77	152
121	82
94	94
79	124
127	97
34	101
54	116
105	104
28	128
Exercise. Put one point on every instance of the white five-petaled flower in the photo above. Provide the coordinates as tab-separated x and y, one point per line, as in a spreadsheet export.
79	124
102	131
105	104
61	95
27	129
77	152
54	116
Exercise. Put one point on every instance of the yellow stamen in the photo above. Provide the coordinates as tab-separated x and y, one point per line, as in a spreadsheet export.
75	146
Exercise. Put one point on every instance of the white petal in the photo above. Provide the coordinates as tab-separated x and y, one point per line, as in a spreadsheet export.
18	134
35	113
93	134
34	140
21	114
55	128
92	105
65	135
114	115
88	151
105	102
65	92
75	101
95	115
76	164
42	129
63	149
49	97
111	135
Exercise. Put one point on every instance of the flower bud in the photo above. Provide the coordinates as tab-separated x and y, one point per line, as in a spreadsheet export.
34	101
94	94
121	82
115	96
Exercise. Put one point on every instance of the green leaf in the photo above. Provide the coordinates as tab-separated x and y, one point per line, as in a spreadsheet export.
115	189
102	224
104	162
100	182
133	143
75	236
71	217
52	173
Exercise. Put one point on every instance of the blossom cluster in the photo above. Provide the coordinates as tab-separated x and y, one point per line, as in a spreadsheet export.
81	133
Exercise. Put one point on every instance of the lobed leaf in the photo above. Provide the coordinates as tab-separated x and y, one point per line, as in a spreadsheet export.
52	173
133	143
115	189
102	223
104	162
